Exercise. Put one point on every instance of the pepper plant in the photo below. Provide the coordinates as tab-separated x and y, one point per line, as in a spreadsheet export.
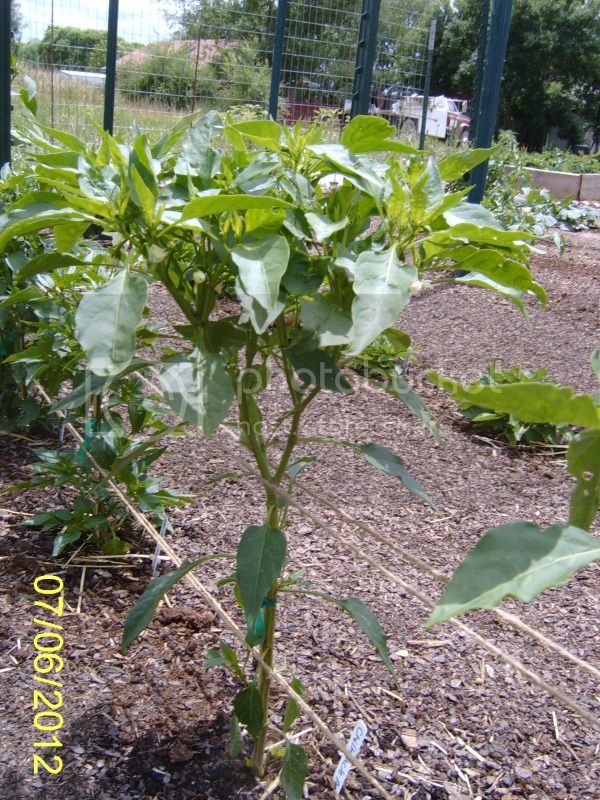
323	245
519	559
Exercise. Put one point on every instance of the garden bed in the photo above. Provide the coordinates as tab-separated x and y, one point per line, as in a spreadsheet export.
153	723
583	187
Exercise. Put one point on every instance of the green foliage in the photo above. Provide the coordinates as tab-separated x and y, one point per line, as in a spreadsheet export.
518	559
294	771
242	75
552	64
511	426
391	350
563	161
83	48
324	246
518	205
96	515
166	73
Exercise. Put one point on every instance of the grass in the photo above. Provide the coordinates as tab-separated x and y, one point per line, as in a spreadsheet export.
73	105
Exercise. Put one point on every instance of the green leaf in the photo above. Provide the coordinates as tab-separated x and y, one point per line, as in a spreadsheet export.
294	771
517	559
298	280
249	710
212	659
292	710
68	235
391	464
456	165
264	132
28	295
530	402
63	540
107	319
114	546
473	214
583	458
142	195
399	340
324	318
92	385
260	559
47	262
366	621
358	173
198	388
230	657
236	743
206	205
477	279
198	158
35	216
366	134
315	367
382	288
141	614
499	268
398	387
261	265
428	192
70	141
323	227
482	234
596	363
293	470
164	146
28	94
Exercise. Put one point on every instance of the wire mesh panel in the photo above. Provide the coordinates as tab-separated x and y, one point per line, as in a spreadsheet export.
217	55
183	55
402	46
63	48
319	57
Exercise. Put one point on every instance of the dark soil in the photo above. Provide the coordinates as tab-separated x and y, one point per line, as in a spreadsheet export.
461	724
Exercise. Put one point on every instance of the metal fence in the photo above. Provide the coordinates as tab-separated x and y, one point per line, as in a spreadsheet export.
285	57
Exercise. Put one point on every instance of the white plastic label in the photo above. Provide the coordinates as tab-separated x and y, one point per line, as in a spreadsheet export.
354	744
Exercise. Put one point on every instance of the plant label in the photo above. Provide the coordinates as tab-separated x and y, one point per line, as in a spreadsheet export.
355	742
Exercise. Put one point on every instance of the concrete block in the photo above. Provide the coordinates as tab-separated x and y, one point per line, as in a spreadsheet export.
590	187
560	184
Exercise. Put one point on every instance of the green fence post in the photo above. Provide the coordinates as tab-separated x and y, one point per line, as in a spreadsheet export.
490	94
427	86
484	21
5	80
111	65
277	58
365	57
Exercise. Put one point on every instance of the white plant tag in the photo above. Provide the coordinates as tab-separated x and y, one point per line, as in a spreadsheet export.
355	742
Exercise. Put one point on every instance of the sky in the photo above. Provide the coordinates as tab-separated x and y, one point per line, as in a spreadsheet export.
138	21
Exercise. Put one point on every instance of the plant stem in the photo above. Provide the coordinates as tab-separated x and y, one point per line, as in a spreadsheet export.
259	756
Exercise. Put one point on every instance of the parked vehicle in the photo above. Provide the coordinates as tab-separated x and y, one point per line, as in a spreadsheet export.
446	116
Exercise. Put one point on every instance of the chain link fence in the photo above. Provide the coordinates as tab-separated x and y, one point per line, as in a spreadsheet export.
175	58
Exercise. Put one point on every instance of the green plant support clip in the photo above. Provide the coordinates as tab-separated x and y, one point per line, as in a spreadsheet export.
90	429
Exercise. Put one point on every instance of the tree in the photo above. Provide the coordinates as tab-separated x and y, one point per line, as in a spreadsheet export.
16	21
553	55
84	48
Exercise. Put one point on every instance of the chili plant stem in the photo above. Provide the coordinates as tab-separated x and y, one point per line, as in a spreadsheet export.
259	756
